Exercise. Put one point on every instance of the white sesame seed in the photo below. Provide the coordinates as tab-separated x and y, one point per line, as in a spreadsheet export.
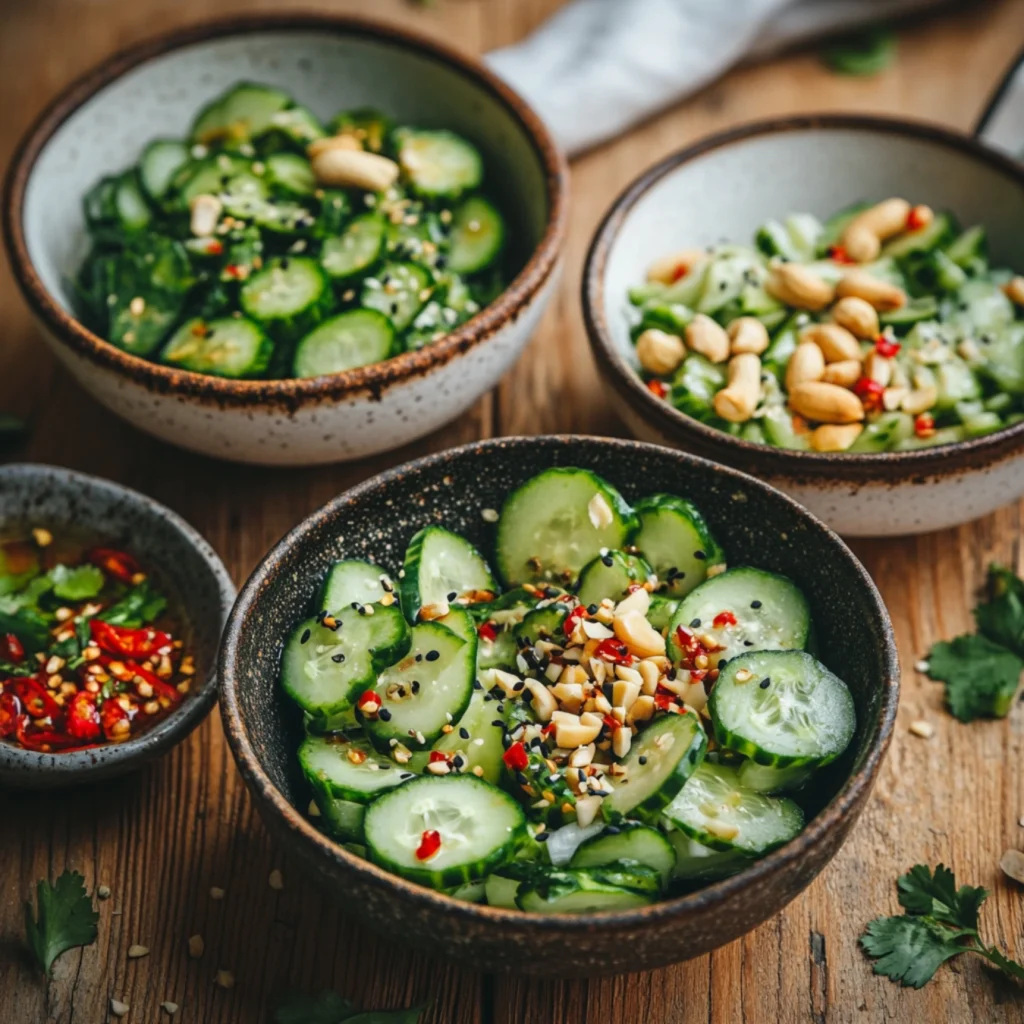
313	811
276	880
921	666
216	893
103	892
136	951
169	1007
921	728
117	1008
489	515
225	979
196	946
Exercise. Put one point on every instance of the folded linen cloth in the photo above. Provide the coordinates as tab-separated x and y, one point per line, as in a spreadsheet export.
597	67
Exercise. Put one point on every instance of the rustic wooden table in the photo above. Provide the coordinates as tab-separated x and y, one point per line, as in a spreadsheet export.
160	840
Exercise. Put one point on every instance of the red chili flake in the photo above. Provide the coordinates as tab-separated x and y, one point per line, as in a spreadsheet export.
487	632
664	701
575	615
548	729
687	640
430	843
11	648
114	563
614	651
838	254
215	247
723	619
657	388
84	717
924	425
886	347
869	392
436	755
697	674
915	219
516	757
111	715
35	699
128	643
370	700
679	272
612	723
10	709
233	270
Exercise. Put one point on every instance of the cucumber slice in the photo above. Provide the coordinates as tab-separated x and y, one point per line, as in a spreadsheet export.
804	715
477	236
355	251
479	826
661	611
590	891
771	613
936	234
369	126
398	291
970	248
498	653
133	212
205	177
425	691
501	891
762	778
543	624
671	748
299	125
228	347
351	581
715	809
244	195
160	162
441	568
291	173
629	843
284	217
439	163
922	307
697	862
675	539
884	433
556	522
340	819
477	739
242	112
288	295
356	338
348	770
323	669
610	576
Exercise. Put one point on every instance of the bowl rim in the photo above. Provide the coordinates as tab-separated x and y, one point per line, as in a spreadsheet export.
79	765
367	380
856	787
764	458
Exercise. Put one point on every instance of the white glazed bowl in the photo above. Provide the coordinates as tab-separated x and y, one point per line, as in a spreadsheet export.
100	125
721	189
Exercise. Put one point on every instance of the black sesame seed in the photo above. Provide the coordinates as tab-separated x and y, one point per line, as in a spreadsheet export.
642	759
498	723
305	636
607	689
612	830
591	609
522	779
516	687
463	732
608	560
488	697
415	686
452	594
694	623
748	643
284	262
419	657
338	658
384	715
699	555
433	655
458	761
477	685
765	683
406	776
755	604
542	837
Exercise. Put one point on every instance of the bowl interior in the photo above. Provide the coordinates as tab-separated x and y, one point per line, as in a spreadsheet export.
324	69
756	525
727	191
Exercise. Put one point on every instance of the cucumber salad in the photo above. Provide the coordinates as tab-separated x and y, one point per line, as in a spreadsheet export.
882	329
268	245
600	715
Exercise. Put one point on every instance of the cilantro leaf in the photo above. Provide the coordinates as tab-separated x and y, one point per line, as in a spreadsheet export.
921	892
65	918
908	949
76	584
865	52
981	677
139	607
324	1008
1004	963
1001	618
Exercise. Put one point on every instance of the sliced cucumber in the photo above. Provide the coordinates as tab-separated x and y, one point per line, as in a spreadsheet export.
160	162
323	669
762	778
356	250
715	809
242	112
299	125
970	248
425	691
351	581
133	212
369	126
556	522
244	195
291	173
441	568
922	307
478	824
289	295
477	739
675	539
589	891
629	843
661	611
228	347
439	163
771	613
341	819
697	862
782	708
349	770
499	652
398	291
477	236
543	623
205	177
501	891
610	576
659	762
344	342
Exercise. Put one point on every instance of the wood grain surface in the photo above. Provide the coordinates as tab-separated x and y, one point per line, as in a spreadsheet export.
161	839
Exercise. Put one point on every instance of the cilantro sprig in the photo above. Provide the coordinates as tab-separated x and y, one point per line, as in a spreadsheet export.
941	922
981	670
65	918
328	1007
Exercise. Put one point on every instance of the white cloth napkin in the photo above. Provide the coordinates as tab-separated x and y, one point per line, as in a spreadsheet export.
597	67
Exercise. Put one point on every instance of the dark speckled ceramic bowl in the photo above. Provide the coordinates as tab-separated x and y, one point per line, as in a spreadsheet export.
183	565
756	525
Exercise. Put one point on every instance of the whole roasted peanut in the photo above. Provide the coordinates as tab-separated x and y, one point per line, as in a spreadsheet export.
737	401
799	287
882	295
1014	290
864	235
878	368
806	363
748	334
845	373
836	343
347	168
659	352
708	337
835	437
318	146
674	265
825	403
857	315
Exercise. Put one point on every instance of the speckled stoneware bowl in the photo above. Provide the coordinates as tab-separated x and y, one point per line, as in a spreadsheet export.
755	524
101	123
722	189
183	565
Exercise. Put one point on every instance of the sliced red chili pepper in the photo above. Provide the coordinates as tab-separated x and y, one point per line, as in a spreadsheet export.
370	699
697	674
160	688
612	723
38	703
725	618
548	729
487	632
657	388
689	643
516	757
924	425
869	392
436	755
111	717
614	651
839	254
575	615
887	347
430	843
10	709
84	717
663	701
215	247
11	648
128	643
118	564
40	739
